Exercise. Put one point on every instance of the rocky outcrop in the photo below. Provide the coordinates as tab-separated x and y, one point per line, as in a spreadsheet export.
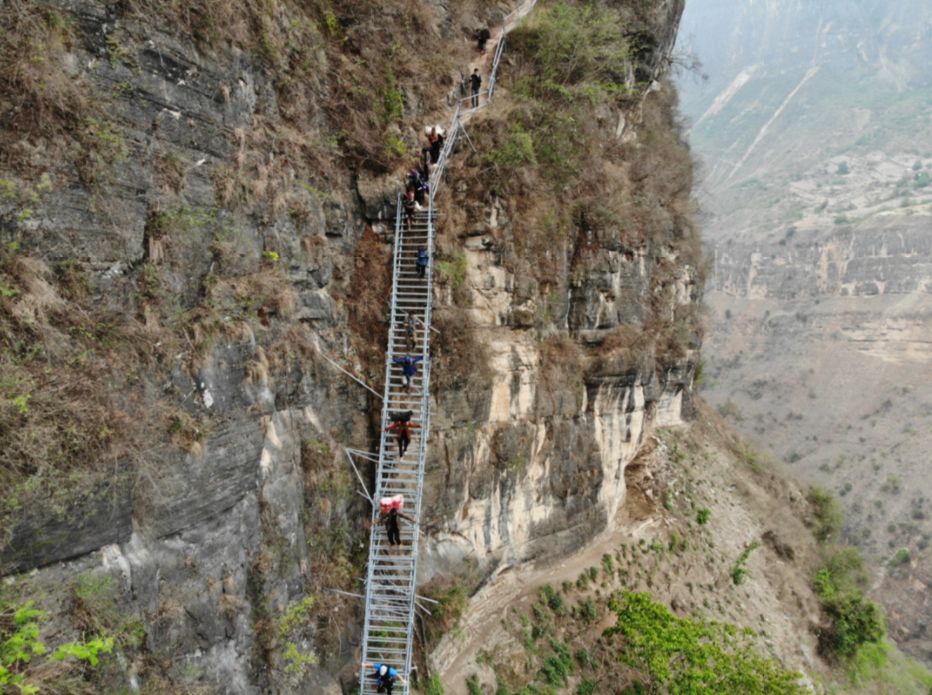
205	548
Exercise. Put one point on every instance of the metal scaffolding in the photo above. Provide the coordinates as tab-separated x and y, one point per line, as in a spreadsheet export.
391	579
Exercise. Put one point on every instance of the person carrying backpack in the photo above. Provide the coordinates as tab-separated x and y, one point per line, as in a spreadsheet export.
409	368
422	260
385	677
403	429
482	36
475	81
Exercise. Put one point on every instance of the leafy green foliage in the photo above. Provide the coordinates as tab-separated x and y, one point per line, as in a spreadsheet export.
901	558
558	666
580	51
703	515
434	685
691	656
854	620
20	644
738	573
453	270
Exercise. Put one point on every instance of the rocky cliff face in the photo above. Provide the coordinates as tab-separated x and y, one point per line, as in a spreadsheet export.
188	225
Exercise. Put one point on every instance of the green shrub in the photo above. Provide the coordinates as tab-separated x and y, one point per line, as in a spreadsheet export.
703	516
692	655
434	685
738	572
827	516
854	620
901	558
472	684
21	648
557	667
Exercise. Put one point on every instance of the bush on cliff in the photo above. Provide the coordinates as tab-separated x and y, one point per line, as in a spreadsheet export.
693	656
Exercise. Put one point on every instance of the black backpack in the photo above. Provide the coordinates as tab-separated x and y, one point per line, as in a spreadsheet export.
403	416
485	35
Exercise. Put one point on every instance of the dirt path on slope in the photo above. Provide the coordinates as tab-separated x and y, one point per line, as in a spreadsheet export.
517	587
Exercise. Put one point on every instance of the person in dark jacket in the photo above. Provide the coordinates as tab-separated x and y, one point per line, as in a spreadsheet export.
409	369
423	158
422	260
482	36
385	677
436	145
410	205
403	429
475	82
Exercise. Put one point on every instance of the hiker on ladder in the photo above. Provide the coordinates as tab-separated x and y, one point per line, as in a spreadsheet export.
391	512
423	258
408	326
409	369
385	677
403	428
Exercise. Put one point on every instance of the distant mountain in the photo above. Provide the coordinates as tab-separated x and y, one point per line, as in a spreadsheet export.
775	67
814	133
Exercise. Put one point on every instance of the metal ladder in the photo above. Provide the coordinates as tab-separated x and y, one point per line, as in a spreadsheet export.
391	579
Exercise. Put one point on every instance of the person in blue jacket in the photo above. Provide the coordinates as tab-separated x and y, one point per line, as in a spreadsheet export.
385	677
409	368
422	260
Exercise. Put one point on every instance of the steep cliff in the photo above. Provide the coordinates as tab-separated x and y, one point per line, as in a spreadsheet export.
194	209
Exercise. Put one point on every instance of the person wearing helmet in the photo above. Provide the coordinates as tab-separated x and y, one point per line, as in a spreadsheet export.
385	677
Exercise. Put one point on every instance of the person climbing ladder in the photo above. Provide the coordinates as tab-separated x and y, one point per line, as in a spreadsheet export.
403	429
385	677
409	369
391	512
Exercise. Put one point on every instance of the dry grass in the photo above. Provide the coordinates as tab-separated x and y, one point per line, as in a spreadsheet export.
459	360
562	368
46	101
368	302
63	408
623	350
331	527
169	172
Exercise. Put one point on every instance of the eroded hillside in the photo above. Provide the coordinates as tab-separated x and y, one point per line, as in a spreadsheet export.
813	133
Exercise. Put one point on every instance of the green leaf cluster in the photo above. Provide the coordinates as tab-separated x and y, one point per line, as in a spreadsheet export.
738	572
20	644
693	656
854	620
